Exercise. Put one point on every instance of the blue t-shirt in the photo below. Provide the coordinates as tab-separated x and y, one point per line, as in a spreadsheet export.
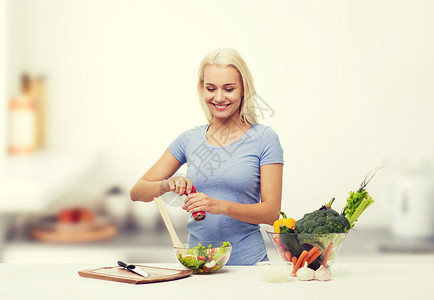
231	173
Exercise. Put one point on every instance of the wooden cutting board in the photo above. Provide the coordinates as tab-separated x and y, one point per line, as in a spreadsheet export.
121	275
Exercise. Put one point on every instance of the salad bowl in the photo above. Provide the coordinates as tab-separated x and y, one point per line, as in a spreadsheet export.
204	257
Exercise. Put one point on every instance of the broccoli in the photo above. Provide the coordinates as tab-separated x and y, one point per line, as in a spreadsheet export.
314	229
322	222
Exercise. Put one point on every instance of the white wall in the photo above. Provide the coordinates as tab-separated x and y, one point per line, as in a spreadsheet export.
2	80
350	82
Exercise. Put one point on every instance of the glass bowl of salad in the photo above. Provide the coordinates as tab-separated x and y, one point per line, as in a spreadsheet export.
315	249
204	257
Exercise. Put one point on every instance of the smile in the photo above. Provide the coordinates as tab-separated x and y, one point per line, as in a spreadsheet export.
220	107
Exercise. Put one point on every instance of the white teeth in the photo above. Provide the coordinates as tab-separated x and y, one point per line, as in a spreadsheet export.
221	106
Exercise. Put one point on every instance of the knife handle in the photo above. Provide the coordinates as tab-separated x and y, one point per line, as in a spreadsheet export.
133	269
199	215
122	264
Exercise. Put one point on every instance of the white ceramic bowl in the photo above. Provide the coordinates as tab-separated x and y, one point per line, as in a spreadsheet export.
275	271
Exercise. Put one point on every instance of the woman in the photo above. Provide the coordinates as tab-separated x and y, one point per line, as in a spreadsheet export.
234	163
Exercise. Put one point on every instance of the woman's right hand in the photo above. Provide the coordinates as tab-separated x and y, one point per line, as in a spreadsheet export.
177	184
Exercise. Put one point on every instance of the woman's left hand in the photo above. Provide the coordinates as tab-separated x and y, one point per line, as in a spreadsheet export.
201	202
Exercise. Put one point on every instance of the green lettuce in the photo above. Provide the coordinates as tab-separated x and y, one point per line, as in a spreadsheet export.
190	262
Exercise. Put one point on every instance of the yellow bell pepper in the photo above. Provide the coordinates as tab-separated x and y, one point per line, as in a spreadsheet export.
288	222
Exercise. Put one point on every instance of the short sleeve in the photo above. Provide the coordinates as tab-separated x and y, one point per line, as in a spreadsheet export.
271	150
178	146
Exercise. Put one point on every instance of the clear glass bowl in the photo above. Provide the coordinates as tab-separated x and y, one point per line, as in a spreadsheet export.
204	257
275	271
289	245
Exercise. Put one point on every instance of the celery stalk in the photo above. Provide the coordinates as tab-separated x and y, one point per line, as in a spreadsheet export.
356	205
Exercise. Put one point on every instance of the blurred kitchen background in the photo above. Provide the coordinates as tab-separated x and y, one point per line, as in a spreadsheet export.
93	91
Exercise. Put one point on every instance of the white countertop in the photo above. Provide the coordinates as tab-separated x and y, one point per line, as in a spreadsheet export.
392	279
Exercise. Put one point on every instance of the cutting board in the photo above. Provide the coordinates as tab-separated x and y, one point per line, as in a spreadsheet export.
121	275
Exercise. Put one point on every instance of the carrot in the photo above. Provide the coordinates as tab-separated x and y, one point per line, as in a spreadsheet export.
311	251
299	261
283	256
327	254
314	256
281	253
288	255
308	255
294	260
277	242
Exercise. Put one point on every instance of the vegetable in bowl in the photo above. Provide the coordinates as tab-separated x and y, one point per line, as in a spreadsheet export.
316	238
204	257
314	249
322	222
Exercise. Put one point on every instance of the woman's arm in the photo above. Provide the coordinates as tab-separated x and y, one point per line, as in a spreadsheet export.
154	183
265	212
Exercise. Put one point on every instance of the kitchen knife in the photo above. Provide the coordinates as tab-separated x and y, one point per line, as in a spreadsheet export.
134	269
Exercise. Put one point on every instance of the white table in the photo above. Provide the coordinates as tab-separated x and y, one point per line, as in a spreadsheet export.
359	280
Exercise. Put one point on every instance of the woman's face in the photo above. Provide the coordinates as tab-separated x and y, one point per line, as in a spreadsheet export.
223	91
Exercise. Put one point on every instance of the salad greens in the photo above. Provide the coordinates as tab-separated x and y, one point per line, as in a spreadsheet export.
190	262
203	259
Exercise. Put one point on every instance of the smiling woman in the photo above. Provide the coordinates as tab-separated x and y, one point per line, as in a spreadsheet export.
223	97
227	67
223	90
235	164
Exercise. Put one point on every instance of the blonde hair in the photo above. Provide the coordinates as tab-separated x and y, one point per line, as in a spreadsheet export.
230	58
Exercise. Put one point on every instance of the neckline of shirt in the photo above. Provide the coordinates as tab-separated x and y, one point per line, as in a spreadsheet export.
245	135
